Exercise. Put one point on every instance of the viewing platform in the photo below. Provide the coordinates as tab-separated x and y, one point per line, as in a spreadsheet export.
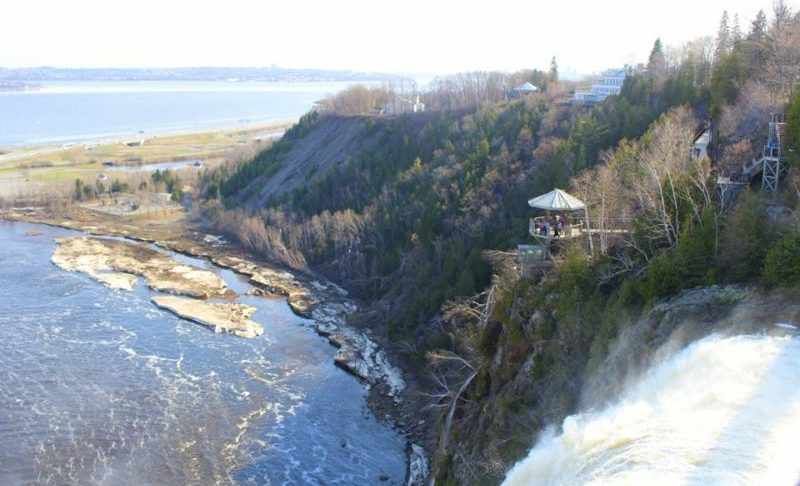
566	219
576	228
571	228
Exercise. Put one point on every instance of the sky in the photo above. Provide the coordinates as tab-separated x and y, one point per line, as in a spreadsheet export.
406	36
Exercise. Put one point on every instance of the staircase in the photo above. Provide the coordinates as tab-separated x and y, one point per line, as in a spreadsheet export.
773	153
770	164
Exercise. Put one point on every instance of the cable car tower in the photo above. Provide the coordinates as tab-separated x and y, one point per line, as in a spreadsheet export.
773	153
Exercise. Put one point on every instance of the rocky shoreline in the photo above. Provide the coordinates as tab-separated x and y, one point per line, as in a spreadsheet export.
325	303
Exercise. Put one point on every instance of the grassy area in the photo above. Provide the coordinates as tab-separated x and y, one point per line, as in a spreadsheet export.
65	172
24	169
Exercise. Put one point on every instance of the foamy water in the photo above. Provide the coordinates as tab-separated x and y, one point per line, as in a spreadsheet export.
101	387
724	410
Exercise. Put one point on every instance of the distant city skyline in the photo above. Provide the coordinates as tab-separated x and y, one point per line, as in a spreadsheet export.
410	37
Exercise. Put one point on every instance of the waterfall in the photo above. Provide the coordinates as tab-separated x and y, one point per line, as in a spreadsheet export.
724	410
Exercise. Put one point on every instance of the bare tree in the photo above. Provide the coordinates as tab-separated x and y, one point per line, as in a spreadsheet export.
452	374
659	166
453	371
654	181
357	100
467	90
603	189
782	70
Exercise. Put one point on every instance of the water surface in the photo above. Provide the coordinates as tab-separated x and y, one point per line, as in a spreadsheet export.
172	165
65	112
101	387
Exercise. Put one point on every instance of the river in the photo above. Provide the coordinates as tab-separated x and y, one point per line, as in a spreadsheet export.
101	387
68	112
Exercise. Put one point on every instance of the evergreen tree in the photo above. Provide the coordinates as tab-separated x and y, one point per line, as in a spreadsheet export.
723	37
730	72
552	75
758	30
736	32
792	147
656	64
78	193
756	42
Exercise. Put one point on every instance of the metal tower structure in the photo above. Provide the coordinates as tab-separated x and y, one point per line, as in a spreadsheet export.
773	153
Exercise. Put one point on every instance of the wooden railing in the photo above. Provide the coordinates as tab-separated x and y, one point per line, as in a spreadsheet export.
570	228
577	227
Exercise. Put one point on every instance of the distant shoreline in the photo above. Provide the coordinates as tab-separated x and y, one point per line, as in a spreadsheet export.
91	141
273	73
15	86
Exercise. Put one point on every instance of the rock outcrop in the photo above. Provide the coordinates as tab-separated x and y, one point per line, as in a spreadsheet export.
117	264
222	317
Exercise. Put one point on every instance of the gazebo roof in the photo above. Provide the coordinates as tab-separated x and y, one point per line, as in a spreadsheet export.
527	87
557	200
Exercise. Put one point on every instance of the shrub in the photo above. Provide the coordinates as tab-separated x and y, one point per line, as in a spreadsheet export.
575	288
663	277
747	233
782	263
118	186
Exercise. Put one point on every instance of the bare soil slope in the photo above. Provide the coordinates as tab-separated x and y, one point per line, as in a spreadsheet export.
333	141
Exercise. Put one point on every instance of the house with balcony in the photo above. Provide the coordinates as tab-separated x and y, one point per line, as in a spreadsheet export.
610	84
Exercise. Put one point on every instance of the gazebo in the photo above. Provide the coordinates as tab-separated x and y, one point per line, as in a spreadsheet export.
525	89
560	201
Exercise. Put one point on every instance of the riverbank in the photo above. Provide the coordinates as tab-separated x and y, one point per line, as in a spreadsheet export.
26	170
325	303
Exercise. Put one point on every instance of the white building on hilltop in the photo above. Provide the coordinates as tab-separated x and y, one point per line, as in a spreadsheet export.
611	84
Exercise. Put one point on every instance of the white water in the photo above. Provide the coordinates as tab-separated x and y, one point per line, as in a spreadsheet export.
724	410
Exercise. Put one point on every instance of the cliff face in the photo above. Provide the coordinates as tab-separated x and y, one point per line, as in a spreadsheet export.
529	383
307	158
332	142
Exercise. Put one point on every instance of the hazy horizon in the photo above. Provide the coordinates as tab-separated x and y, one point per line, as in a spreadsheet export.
421	38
